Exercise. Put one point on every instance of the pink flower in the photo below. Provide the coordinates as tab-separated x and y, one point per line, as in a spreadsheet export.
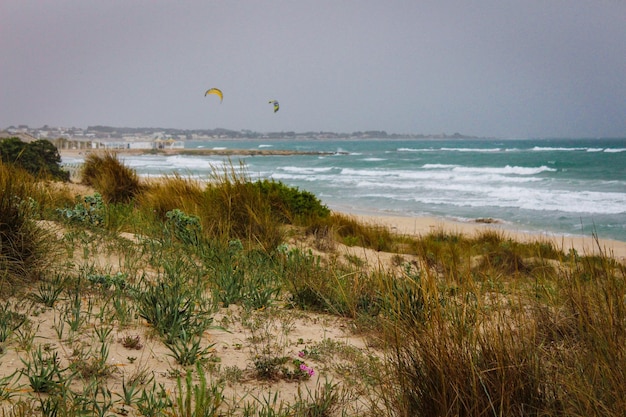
301	354
307	369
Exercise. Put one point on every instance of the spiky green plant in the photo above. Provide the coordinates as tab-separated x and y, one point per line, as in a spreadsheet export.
173	306
44	371
49	291
203	399
187	348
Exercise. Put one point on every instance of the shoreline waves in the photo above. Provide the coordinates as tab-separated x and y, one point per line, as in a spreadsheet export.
414	225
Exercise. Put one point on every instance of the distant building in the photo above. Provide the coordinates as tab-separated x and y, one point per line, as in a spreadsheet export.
141	144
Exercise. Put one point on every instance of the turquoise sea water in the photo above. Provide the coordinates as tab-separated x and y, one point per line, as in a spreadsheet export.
564	186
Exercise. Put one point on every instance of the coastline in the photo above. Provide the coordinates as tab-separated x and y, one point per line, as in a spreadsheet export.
74	153
409	225
421	226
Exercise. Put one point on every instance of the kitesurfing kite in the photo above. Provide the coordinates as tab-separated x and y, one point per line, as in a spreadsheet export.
275	103
215	91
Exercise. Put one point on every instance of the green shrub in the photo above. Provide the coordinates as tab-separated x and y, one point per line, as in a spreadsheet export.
88	212
290	204
185	228
262	280
40	158
505	259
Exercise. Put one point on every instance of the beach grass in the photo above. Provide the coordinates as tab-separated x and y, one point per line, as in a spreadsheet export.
26	251
110	177
201	298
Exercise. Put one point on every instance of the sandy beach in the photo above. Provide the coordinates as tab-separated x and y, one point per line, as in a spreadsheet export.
419	226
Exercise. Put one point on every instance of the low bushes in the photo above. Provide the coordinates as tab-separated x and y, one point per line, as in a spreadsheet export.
40	158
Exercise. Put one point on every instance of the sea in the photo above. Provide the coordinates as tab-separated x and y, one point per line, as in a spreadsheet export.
552	186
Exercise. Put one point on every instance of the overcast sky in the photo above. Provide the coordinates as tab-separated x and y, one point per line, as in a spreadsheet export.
506	68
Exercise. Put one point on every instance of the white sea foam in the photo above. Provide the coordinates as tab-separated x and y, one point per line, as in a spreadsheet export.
185	162
305	170
365	172
427	179
438	166
454	173
143	161
588	203
469	193
289	177
414	150
447	149
73	160
450	171
615	150
560	149
472	149
514	170
170	163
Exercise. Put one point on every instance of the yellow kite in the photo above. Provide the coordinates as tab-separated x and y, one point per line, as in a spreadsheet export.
215	91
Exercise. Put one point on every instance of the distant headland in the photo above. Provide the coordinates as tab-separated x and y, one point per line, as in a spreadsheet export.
98	132
130	140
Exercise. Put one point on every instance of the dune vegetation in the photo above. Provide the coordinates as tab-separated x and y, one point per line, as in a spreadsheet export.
123	296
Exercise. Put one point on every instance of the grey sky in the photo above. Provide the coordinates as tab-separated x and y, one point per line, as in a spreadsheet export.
510	68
